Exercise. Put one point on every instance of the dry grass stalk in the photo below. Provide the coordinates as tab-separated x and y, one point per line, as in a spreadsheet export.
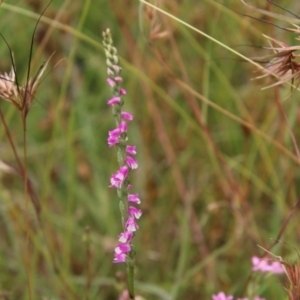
293	274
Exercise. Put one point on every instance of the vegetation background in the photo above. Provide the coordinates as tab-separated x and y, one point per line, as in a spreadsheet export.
213	183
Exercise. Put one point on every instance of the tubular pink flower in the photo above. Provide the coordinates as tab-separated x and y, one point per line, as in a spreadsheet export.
131	162
115	182
111	82
118	178
127	116
123	126
134	198
131	225
119	258
122	248
122	92
112	140
115	132
118	79
125	237
114	101
134	212
131	149
122	173
221	296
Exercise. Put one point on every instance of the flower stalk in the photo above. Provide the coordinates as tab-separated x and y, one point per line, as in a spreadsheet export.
117	137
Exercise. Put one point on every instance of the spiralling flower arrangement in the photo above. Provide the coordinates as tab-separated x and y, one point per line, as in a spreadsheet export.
117	137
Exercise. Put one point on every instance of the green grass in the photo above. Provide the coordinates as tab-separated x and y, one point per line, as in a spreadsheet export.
217	175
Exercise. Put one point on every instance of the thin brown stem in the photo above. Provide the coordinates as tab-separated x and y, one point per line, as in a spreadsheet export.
294	141
28	258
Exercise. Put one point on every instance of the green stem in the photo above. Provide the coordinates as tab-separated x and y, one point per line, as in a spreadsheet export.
130	277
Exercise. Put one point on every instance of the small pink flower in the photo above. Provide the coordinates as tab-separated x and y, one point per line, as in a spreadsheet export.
131	225
111	82
118	178
131	162
118	79
131	149
115	132
111	141
127	116
134	212
134	198
114	101
119	258
122	248
125	237
277	268
221	296
122	173
115	182
266	265
123	126
122	92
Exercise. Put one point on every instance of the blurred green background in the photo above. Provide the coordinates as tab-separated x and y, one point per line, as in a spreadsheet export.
213	187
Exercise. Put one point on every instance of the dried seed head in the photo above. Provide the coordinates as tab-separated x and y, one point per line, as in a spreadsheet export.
20	96
293	274
283	63
9	89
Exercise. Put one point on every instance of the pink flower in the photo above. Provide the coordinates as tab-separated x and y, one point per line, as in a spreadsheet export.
131	225
111	141
127	116
123	126
113	138
115	132
265	265
122	248
111	82
131	162
118	79
221	296
125	237
114	101
134	212
122	92
119	258
134	198
131	149
117	179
